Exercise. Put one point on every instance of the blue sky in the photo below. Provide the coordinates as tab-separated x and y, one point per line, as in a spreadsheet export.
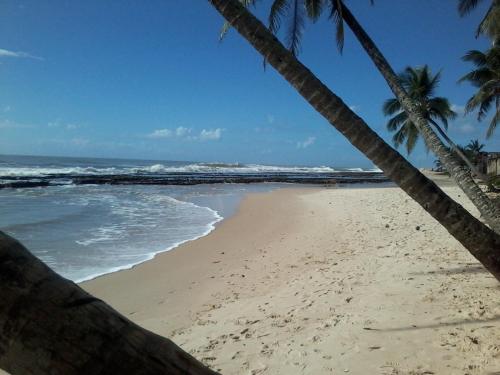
149	80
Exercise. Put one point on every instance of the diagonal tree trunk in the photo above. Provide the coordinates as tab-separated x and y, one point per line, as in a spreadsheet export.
459	152
481	241
461	175
49	325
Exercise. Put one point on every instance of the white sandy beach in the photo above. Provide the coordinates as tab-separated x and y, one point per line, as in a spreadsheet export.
319	281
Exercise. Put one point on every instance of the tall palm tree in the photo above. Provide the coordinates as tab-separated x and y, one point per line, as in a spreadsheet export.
420	85
340	13
486	77
481	241
490	24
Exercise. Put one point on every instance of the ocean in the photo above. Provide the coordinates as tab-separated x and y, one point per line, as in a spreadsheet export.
89	217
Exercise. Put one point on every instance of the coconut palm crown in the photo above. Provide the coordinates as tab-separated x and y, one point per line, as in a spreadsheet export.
295	12
420	85
486	77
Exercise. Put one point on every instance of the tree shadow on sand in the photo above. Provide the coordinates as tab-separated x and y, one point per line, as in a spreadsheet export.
468	269
442	325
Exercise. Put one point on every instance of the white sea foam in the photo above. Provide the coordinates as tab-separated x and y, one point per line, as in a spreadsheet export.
149	256
164	169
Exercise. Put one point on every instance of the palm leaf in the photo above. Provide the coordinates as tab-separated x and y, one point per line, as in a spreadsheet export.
466	6
478	58
278	10
494	120
395	122
337	17
296	27
391	106
314	9
411	137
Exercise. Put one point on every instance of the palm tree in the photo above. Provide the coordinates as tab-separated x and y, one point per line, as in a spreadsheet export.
340	13
420	85
490	25
474	148
487	79
481	241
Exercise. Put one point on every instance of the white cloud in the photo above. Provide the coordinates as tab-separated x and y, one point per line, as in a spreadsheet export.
6	108
459	109
354	108
270	119
160	133
71	126
17	54
211	134
7	124
466	128
308	142
181	131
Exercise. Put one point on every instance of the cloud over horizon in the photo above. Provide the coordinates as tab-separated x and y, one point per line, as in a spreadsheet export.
18	54
182	132
305	144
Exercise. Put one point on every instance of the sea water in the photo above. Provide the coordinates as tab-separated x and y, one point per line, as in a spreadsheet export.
83	231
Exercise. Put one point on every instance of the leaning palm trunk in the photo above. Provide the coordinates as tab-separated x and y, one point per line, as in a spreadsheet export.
459	152
480	240
49	325
461	175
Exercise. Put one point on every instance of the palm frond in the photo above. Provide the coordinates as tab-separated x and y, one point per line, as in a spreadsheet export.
314	9
395	122
411	138
490	24
476	57
478	77
338	19
399	137
278	10
494	121
391	106
296	27
466	6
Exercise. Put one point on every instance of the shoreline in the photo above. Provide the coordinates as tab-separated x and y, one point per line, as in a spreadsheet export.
219	219
293	284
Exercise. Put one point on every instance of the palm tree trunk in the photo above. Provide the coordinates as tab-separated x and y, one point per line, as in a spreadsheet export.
49	325
481	241
459	152
461	175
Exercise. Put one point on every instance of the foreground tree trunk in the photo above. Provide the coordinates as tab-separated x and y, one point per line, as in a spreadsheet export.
49	325
461	175
481	241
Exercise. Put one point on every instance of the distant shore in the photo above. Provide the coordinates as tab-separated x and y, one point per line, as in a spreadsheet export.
325	280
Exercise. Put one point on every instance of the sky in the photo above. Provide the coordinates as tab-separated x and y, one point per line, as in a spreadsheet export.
150	80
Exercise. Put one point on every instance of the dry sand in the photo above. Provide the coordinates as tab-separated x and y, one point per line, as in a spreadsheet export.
320	281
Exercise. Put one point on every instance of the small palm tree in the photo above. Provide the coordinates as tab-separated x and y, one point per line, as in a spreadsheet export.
420	85
490	25
474	148
487	79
